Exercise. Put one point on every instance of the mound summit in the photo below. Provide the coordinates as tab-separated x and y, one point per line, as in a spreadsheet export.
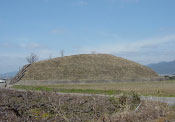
87	67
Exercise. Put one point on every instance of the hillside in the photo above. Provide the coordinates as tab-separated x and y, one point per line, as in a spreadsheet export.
87	67
163	67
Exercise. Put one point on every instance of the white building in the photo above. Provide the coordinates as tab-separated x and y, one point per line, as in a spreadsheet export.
2	81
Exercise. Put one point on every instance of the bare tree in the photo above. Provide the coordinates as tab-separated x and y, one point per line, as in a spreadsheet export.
50	56
32	58
62	53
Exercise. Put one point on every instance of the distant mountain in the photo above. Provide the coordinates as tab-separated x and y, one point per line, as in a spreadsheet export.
163	67
9	74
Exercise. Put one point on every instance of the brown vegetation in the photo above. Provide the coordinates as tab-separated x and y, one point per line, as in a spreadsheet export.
87	67
44	106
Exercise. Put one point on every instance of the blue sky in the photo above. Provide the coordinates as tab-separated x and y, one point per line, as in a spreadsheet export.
138	30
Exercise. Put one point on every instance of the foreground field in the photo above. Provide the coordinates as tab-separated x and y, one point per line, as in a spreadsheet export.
33	106
161	88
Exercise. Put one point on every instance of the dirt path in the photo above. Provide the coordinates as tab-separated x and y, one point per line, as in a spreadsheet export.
167	100
2	84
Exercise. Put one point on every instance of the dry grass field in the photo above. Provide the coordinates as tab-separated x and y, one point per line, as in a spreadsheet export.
159	88
31	106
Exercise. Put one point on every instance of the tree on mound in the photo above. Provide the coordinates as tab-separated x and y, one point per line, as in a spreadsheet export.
32	58
87	67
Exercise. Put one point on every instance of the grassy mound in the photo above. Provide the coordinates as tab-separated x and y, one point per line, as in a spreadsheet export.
87	67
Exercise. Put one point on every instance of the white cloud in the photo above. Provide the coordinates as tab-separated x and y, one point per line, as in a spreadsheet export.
125	1
143	51
57	31
31	45
146	43
130	0
4	44
81	3
46	1
11	63
45	53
